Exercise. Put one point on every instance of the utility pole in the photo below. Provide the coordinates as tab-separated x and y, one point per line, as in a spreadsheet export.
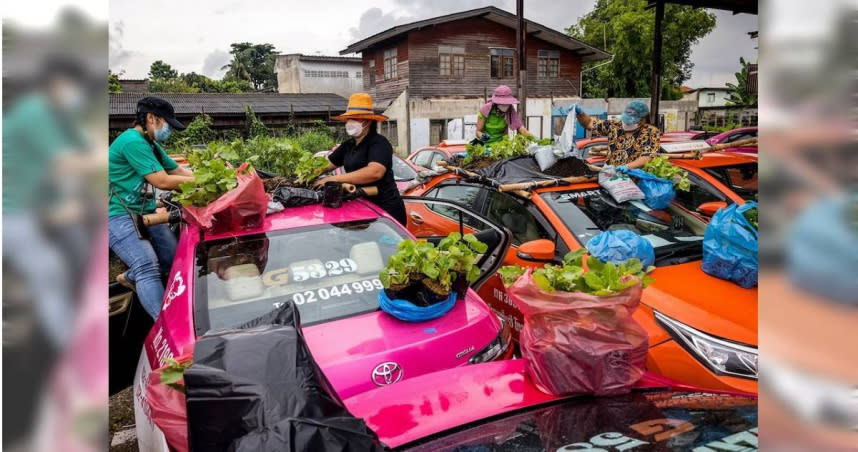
521	80
655	92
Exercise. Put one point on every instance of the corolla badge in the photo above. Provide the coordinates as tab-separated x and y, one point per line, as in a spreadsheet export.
386	373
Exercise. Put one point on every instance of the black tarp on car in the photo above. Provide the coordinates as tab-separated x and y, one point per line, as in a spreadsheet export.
258	388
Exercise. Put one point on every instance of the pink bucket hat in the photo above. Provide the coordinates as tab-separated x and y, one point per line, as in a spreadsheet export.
502	95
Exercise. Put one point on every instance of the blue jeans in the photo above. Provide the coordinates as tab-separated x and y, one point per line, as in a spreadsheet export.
146	259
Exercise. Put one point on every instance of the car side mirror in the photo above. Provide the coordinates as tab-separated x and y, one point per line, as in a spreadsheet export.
536	250
709	208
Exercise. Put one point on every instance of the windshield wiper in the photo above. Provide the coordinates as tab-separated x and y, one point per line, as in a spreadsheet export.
665	252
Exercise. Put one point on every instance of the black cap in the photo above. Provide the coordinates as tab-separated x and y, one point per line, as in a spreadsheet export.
161	108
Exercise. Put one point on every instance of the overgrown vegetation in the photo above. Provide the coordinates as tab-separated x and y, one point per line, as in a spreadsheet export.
212	178
753	217
660	166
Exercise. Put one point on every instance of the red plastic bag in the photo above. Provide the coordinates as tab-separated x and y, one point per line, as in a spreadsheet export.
167	407
243	207
577	343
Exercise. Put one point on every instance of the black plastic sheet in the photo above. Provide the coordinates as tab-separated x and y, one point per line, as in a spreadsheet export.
258	388
526	169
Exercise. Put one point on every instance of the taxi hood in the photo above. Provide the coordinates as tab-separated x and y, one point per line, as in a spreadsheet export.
712	305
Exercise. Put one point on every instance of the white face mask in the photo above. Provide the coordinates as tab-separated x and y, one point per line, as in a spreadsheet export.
353	128
630	127
503	108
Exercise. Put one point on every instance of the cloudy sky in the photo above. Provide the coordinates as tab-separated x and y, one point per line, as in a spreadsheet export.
195	36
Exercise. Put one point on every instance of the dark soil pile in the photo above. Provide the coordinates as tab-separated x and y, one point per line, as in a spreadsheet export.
569	167
478	164
273	183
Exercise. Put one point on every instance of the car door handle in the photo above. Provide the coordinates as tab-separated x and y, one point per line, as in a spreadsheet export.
416	218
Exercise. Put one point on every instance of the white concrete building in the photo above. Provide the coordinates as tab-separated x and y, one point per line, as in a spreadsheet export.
708	97
297	73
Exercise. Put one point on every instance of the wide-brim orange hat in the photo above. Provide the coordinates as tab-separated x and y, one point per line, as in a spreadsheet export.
360	107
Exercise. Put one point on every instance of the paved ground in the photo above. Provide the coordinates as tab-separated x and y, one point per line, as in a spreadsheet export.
122	435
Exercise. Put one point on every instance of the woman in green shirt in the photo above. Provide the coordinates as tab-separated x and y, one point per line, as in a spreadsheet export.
137	160
497	117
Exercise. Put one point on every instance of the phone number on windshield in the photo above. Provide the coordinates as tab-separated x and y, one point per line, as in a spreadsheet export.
336	291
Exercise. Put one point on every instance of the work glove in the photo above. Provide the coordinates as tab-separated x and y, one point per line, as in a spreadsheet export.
622	169
578	109
484	137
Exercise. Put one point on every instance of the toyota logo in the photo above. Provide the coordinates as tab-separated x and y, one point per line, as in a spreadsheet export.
386	374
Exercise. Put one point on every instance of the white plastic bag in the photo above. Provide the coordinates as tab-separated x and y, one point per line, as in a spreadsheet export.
544	155
621	187
566	142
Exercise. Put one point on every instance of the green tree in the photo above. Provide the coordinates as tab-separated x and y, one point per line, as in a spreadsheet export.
173	85
253	63
738	94
625	28
113	85
162	70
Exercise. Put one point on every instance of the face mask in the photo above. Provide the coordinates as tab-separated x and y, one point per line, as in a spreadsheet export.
503	108
353	128
630	127
163	133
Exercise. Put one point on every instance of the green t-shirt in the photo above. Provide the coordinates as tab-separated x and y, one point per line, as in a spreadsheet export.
131	158
33	136
495	126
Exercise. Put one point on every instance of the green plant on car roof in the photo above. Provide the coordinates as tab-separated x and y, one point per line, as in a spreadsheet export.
660	166
503	149
437	267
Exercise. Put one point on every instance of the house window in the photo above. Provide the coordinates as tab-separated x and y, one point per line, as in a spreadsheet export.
358	74
372	72
451	61
711	97
501	62
390	64
548	65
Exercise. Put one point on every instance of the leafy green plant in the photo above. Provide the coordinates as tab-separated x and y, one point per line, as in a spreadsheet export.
660	166
436	266
503	149
315	141
173	373
510	274
599	278
212	178
255	127
752	215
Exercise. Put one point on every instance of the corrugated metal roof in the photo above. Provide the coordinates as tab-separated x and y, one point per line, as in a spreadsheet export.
126	103
539	31
325	58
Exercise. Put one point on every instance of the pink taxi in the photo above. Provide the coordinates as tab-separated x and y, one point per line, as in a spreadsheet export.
326	261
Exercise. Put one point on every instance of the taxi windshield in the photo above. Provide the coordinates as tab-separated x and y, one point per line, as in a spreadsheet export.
328	271
675	234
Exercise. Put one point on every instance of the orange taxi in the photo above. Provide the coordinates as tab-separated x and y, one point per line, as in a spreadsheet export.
702	330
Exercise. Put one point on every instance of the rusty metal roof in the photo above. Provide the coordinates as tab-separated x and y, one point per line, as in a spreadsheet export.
216	103
539	31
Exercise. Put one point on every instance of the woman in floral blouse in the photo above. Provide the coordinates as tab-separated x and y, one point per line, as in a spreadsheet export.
632	141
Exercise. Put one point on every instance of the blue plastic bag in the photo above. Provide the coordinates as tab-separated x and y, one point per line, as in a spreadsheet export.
620	246
659	192
730	246
409	312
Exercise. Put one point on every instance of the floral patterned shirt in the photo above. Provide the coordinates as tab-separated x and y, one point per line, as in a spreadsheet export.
624	148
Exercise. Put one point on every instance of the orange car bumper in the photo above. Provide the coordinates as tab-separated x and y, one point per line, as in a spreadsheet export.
672	361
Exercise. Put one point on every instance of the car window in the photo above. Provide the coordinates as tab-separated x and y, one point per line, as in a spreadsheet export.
241	278
662	421
699	193
423	158
401	170
742	178
505	210
465	195
675	235
740	136
436	157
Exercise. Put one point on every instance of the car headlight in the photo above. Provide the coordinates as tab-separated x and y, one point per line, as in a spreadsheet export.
813	398
496	348
721	356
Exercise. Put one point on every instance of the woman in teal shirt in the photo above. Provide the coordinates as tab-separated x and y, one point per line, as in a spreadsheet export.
497	117
137	160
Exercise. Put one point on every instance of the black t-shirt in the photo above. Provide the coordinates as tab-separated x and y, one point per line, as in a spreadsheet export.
373	148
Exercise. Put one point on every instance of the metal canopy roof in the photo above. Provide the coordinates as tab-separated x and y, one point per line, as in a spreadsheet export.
585	51
227	103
